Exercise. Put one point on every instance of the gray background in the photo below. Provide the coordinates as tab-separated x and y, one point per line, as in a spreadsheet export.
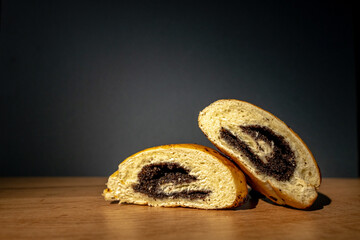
84	85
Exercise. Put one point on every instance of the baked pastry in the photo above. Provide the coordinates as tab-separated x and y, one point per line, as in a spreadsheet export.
186	175
275	160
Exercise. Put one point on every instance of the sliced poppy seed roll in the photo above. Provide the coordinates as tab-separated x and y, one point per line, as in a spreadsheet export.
275	160
178	175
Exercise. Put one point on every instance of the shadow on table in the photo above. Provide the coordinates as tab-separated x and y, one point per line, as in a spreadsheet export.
251	202
321	201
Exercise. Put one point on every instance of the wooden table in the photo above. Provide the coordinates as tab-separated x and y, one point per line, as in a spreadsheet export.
71	207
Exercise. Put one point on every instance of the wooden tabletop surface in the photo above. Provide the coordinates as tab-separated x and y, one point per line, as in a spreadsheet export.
72	207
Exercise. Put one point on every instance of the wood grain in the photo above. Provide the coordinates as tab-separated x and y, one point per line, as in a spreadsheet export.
58	208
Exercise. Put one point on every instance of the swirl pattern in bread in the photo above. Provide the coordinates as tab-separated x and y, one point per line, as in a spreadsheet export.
186	175
275	160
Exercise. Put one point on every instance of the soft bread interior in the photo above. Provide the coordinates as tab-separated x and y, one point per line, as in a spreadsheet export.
300	189
214	173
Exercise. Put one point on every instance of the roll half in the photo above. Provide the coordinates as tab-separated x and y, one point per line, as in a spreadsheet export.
275	160
178	175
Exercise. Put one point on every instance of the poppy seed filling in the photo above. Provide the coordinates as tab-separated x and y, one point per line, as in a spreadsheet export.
280	164
152	176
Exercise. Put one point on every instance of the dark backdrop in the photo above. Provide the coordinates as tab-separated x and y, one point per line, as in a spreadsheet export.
86	84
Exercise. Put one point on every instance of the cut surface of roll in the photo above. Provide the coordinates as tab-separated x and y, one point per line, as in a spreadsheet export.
178	175
275	160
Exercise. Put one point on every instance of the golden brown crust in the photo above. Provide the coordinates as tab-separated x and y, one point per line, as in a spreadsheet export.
266	188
